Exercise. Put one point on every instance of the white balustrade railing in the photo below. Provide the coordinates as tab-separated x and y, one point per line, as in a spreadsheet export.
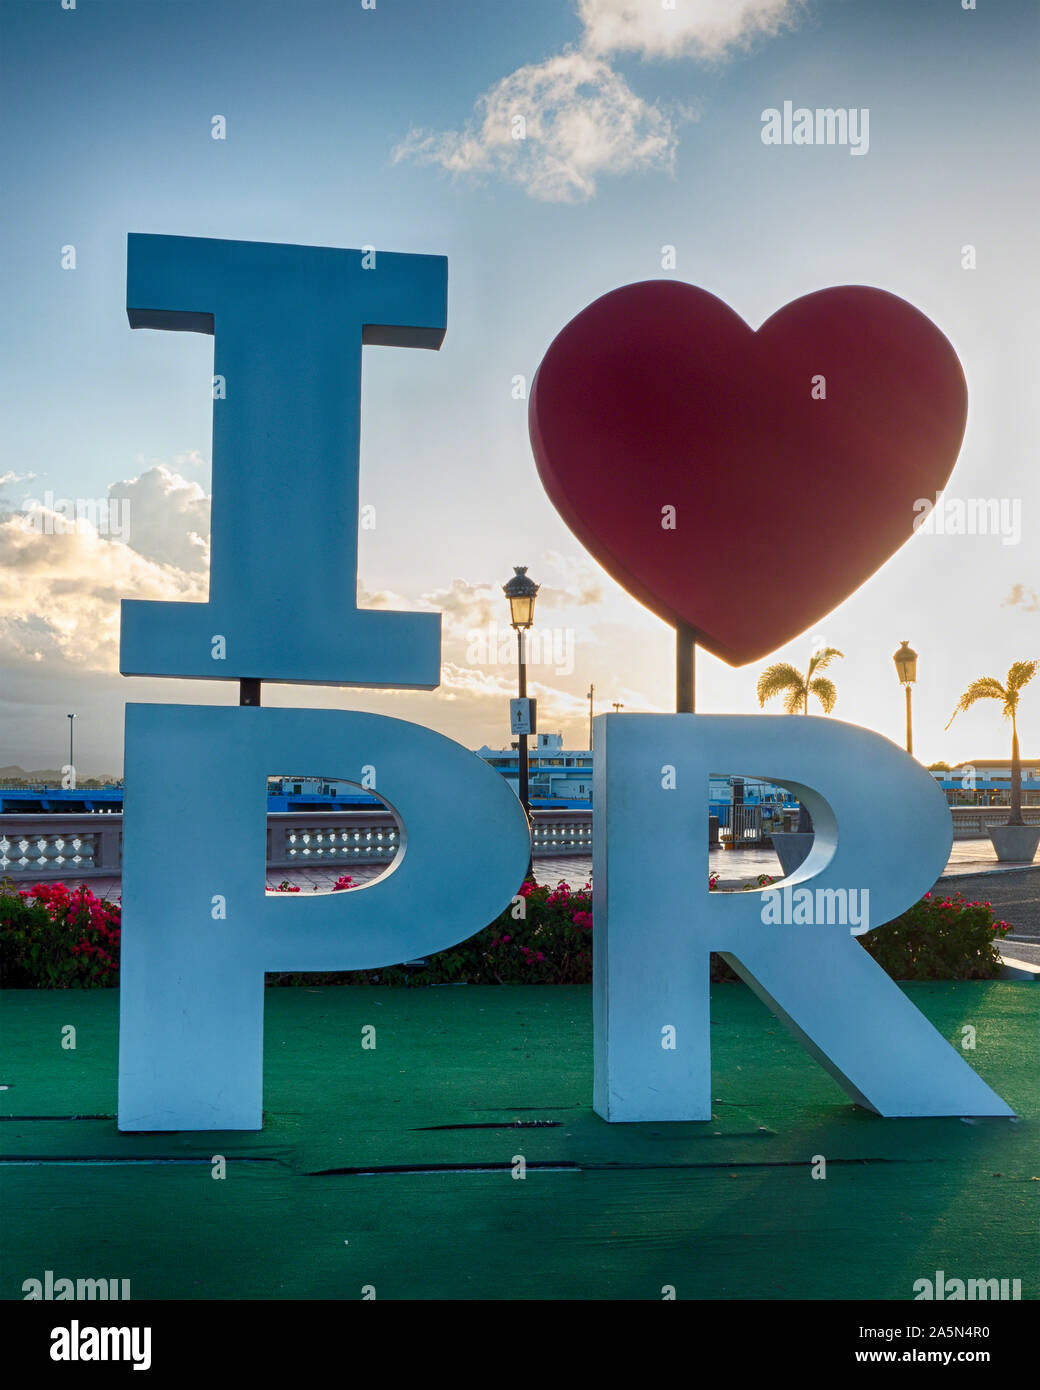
972	822
83	845
561	832
86	845
41	846
312	840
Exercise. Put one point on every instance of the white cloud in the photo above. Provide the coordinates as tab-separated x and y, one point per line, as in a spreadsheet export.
168	516
60	593
487	693
704	29
61	583
481	683
580	118
582	582
465	605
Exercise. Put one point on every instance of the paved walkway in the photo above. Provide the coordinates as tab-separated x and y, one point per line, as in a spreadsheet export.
971	858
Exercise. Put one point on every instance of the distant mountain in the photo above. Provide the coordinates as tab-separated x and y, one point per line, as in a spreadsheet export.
13	774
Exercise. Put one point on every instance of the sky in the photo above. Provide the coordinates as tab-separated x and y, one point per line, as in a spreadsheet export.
390	124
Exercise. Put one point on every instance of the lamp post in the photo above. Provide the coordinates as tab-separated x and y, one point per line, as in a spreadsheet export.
72	765
906	668
685	669
521	592
618	706
592	692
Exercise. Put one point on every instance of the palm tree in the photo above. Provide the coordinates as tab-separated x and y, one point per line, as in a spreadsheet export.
785	679
989	688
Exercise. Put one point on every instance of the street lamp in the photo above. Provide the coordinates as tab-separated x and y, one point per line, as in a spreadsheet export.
618	706
72	764
521	593
906	668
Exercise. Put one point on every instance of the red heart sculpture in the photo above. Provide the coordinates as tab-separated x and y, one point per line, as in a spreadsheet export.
659	396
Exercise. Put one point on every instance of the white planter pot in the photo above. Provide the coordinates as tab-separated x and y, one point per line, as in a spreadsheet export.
1015	844
792	849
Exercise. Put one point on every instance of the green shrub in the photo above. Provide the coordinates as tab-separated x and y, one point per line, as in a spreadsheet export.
52	937
544	937
939	939
548	940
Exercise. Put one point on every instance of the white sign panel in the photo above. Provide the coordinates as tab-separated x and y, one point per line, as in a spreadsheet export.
522	716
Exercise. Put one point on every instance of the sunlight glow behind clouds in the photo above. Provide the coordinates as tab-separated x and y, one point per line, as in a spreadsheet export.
60	592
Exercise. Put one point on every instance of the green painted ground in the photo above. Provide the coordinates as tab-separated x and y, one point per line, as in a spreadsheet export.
720	1210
